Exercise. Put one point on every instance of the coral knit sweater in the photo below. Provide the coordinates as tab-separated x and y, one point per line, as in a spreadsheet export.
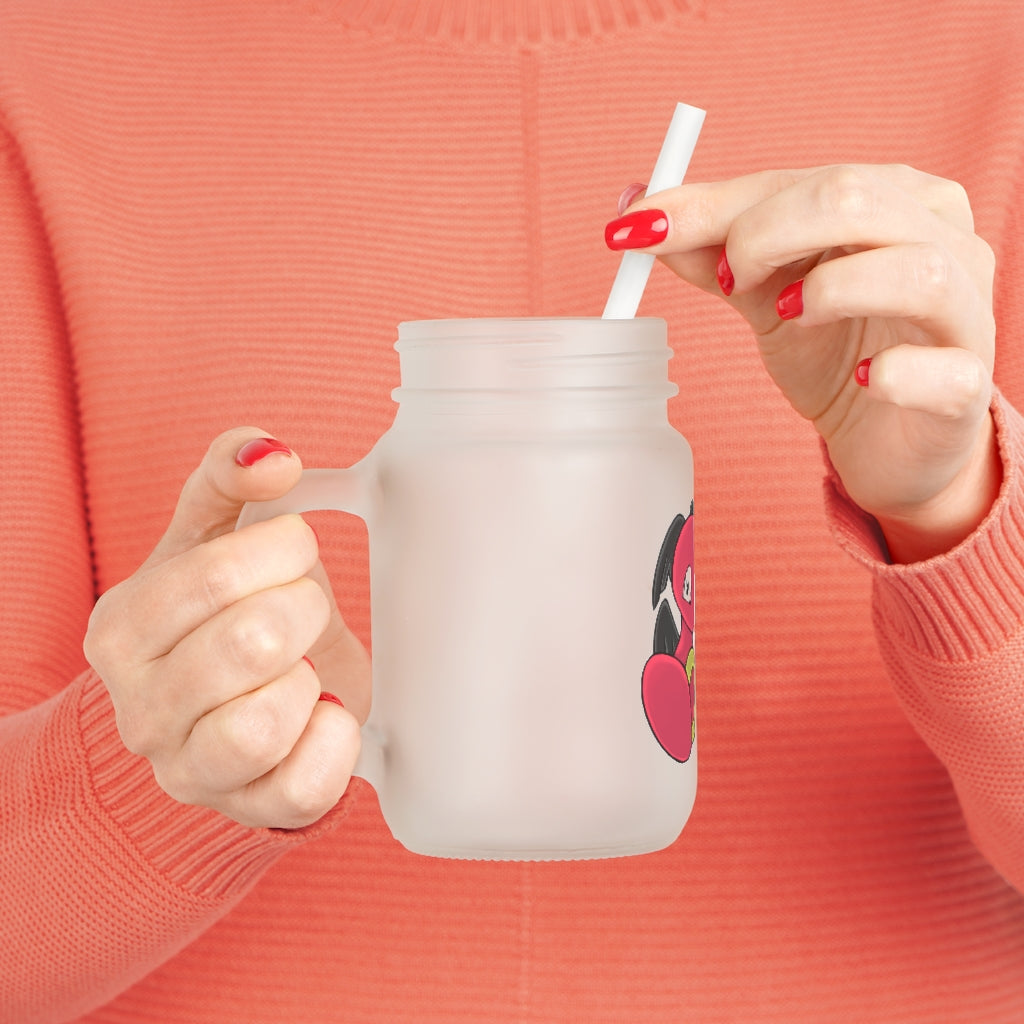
215	213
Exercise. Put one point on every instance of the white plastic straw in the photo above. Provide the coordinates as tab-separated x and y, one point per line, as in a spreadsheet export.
674	158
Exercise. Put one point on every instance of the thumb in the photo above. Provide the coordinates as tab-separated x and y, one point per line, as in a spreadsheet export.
241	465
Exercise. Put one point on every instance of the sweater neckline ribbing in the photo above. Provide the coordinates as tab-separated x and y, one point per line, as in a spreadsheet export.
520	22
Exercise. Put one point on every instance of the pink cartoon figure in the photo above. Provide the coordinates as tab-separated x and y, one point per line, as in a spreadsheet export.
667	686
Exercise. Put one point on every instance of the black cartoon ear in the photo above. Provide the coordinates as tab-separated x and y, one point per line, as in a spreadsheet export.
664	566
666	636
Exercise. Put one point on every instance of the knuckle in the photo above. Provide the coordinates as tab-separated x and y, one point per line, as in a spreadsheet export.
778	180
220	581
950	201
959	384
931	271
104	642
309	795
326	766
954	196
903	173
263	634
971	382
96	643
848	194
254	733
254	641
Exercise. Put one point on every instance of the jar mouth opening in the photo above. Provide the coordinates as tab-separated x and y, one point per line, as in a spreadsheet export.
592	331
501	357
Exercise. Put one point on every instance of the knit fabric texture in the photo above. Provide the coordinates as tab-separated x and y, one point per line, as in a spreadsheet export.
215	214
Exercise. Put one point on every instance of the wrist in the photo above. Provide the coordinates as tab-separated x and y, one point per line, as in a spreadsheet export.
949	518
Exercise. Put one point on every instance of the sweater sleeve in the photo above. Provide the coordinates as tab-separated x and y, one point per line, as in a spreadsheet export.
951	631
102	876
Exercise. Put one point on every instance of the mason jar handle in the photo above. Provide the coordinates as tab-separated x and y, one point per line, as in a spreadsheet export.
337	490
349	490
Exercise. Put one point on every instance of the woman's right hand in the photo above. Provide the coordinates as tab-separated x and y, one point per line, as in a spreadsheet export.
203	650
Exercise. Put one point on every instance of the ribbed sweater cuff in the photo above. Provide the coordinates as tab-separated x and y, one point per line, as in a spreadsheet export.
964	603
194	848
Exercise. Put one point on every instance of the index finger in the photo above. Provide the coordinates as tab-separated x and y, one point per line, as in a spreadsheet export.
171	599
701	214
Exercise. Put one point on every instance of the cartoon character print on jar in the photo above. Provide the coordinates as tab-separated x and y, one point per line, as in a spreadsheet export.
667	686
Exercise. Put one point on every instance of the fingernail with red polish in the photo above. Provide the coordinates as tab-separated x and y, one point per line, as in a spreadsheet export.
724	274
252	451
629	195
637	230
309	663
330	698
790	303
861	373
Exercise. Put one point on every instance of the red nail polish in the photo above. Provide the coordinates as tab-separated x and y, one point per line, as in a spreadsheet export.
309	663
629	195
331	698
724	274
790	303
637	230
861	373
252	451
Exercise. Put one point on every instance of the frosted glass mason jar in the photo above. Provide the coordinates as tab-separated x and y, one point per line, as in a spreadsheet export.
531	562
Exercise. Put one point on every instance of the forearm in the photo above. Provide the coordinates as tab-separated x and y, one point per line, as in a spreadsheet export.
951	630
105	875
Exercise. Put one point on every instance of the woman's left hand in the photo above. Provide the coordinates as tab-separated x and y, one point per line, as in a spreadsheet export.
870	297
